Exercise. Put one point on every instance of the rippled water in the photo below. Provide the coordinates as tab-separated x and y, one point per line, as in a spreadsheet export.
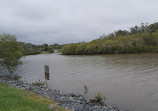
130	81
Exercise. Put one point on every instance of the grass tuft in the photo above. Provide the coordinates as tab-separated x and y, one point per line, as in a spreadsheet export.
38	83
99	98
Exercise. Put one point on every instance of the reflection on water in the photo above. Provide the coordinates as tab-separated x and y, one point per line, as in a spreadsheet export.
129	81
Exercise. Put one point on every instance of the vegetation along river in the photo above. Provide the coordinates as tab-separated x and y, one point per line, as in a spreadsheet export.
129	81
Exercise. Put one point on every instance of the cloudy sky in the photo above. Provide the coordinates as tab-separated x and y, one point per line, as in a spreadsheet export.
67	21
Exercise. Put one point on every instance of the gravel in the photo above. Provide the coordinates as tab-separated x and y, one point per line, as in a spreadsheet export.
68	101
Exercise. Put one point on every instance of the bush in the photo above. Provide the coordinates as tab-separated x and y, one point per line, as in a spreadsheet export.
16	77
10	52
98	99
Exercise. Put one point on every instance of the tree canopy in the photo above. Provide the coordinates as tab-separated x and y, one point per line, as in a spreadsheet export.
139	39
10	52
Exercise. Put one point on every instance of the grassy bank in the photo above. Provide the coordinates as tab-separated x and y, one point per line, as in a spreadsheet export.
12	99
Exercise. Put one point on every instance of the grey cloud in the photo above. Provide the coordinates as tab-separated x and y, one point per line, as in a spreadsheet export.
67	21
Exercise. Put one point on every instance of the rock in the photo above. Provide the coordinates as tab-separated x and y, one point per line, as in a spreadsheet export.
72	109
71	98
52	107
30	88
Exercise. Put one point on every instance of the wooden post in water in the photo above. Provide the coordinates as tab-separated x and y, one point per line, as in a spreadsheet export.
46	68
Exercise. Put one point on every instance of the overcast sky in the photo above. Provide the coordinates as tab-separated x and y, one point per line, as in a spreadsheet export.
67	21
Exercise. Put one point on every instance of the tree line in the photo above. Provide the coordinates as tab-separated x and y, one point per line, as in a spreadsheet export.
31	49
12	50
139	39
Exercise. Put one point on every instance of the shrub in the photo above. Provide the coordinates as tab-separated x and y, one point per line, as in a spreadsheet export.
10	52
98	98
16	77
38	83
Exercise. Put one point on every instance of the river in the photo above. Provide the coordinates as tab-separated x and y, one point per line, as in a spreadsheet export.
128	81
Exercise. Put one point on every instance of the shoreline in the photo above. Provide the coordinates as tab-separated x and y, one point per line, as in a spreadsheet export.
66	100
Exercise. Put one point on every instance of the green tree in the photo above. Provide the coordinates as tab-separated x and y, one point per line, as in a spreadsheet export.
121	32
45	47
153	27
50	49
10	52
92	49
69	49
81	49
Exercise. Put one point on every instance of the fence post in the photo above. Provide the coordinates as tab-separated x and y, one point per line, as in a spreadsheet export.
46	68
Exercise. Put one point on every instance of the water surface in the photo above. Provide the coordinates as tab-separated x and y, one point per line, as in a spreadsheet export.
130	81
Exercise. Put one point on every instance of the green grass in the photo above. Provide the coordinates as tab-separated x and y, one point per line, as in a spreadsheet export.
12	99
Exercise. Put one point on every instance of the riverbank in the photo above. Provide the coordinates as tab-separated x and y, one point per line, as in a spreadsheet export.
67	101
12	99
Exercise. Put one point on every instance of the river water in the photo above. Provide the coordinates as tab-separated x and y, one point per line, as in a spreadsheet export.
128	81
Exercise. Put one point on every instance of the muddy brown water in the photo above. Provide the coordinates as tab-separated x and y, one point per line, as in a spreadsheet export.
129	81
